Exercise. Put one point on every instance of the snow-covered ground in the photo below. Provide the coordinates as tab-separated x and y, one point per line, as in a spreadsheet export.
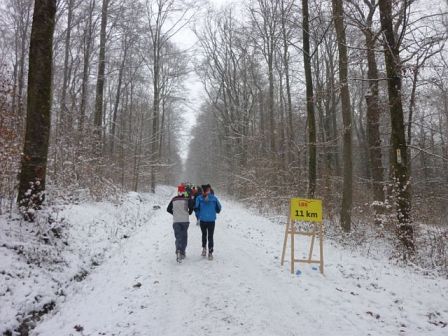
141	290
34	274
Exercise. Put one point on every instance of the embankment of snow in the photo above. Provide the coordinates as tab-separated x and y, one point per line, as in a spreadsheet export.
44	262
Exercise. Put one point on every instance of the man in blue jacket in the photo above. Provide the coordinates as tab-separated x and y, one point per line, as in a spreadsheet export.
206	207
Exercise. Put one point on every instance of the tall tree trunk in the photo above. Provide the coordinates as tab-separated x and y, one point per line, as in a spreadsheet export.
38	121
24	26
162	127
373	120
330	110
271	102
312	158
86	67
347	192
14	76
155	113
24	39
287	83
63	108
412	102
98	120
399	154
117	97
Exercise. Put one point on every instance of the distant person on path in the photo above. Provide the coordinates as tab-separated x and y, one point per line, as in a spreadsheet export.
181	208
206	207
197	191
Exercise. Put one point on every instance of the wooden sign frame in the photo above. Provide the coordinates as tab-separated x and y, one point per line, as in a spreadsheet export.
317	231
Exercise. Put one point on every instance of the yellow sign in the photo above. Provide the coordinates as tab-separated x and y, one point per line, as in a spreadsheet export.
306	210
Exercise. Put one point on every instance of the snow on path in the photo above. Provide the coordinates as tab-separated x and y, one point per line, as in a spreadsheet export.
244	291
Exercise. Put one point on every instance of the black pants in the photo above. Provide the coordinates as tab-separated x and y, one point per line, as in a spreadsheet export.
207	228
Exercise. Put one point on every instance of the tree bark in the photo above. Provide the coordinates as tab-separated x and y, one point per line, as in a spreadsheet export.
63	107
373	120
347	192
118	95
312	158
38	121
155	109
86	64
290	136
98	120
399	154
24	23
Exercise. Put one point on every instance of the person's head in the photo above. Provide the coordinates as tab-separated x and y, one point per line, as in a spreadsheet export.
210	190
205	189
180	189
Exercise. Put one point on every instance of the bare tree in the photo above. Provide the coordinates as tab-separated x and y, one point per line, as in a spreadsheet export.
267	23
34	159
87	49
312	157
347	192
161	30
100	78
399	153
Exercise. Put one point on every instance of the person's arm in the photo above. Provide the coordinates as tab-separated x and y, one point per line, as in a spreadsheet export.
218	206
170	207
197	206
190	206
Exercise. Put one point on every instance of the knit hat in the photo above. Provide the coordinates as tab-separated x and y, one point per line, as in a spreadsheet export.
180	189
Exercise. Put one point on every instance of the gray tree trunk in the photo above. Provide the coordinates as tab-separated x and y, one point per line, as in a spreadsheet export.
98	120
399	153
373	120
347	192
312	157
38	120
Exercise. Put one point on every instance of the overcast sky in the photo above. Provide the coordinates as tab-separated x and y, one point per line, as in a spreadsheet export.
186	40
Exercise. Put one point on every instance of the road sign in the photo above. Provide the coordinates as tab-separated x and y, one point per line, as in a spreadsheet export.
306	210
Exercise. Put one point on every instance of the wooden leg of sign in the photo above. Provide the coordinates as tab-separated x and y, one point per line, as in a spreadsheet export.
285	241
293	228
321	242
313	237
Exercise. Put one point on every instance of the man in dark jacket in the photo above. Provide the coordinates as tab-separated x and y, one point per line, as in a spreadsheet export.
206	207
181	208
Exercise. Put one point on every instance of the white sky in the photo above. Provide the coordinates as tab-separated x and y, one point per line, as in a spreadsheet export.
186	40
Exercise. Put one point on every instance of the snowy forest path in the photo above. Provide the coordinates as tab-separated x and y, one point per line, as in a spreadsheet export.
142	290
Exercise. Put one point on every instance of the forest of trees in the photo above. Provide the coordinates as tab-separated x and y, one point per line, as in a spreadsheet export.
340	100
346	101
116	85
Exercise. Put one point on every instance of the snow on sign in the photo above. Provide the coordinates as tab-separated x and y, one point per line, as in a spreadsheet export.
307	210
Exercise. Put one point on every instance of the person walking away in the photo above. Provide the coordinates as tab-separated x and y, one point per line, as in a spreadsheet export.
196	191
181	208
206	207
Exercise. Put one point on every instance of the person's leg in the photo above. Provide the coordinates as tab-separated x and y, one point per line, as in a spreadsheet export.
204	234
211	231
177	233
184	237
204	238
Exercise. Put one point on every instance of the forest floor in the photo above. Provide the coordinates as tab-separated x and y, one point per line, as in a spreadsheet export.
136	287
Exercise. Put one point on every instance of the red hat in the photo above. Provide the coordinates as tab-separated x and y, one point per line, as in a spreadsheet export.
180	188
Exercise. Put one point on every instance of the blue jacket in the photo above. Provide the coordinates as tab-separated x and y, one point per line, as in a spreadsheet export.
206	210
